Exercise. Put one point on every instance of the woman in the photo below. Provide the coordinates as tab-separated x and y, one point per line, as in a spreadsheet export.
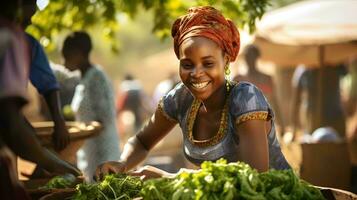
93	100
218	118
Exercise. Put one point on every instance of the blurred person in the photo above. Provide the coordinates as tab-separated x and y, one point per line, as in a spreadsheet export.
304	102
351	110
262	81
43	79
218	118
165	86
67	80
93	101
351	100
132	98
17	136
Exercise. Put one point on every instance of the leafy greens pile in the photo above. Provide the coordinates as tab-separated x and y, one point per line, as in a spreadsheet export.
220	180
215	180
60	182
114	186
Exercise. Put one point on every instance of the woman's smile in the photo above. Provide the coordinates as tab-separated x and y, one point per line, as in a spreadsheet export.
200	85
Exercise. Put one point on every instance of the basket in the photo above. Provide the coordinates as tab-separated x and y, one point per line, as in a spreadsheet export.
78	132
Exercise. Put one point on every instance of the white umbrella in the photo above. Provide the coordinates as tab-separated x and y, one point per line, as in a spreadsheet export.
309	32
314	32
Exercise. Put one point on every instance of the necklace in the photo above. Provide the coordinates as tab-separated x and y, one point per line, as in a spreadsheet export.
222	125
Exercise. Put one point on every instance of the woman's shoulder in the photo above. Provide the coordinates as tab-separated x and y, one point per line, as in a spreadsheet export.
97	75
245	88
246	97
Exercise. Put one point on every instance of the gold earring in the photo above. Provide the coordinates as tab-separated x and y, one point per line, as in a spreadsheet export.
227	72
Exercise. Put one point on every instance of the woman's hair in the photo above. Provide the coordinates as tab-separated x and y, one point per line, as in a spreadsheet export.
78	41
206	21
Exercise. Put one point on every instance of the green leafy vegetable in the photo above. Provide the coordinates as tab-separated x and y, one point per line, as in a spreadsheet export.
118	186
59	182
214	181
220	180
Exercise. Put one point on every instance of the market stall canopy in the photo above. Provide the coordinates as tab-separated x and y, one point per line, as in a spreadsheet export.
294	34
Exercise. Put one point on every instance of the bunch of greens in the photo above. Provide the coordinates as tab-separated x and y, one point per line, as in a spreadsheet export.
118	186
220	180
60	182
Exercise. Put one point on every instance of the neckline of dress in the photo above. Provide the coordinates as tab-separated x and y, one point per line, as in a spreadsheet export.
222	126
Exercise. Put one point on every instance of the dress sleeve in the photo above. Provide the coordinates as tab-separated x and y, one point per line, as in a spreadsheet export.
249	103
171	103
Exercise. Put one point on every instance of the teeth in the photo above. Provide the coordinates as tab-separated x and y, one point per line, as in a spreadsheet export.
200	85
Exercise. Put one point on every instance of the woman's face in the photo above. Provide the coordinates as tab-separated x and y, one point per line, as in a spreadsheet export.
202	66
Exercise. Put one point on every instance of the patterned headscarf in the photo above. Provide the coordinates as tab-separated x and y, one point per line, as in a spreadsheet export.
206	21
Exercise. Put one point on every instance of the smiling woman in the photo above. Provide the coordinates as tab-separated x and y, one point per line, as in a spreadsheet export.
218	118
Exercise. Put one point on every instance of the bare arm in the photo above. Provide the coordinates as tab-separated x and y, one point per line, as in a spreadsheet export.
20	137
137	147
253	144
60	135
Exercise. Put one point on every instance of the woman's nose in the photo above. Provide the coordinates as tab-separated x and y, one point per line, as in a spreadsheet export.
197	71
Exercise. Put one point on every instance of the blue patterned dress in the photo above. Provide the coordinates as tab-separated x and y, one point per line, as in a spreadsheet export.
245	102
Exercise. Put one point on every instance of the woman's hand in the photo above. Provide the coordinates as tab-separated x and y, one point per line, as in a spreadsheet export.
110	167
60	136
149	172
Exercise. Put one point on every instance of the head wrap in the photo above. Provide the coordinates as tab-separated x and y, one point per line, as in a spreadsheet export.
206	21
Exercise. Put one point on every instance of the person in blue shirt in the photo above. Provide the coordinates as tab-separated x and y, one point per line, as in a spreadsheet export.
42	77
17	136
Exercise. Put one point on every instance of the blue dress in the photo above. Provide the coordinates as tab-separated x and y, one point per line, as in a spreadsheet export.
245	102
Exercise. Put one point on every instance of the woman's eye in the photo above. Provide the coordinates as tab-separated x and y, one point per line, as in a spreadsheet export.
186	65
209	64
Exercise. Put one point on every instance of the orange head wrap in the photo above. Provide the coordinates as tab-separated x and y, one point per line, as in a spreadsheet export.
206	21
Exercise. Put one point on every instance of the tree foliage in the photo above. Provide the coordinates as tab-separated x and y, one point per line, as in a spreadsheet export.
61	15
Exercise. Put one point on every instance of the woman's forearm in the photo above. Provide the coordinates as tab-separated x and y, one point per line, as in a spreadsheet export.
54	104
21	139
133	154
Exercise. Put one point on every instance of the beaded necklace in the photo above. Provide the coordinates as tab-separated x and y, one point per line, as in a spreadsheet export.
222	125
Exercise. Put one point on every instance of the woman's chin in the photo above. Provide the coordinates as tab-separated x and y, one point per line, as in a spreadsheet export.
201	97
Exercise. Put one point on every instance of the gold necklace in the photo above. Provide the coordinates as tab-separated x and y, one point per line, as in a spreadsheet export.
222	125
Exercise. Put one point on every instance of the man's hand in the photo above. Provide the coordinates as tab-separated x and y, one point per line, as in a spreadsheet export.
60	137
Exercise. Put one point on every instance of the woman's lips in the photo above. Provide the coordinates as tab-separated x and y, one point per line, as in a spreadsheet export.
200	85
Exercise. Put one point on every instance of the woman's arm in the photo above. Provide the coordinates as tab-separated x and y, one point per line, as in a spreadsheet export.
60	135
20	138
253	143
138	146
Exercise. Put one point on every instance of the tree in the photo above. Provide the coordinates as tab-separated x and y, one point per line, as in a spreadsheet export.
62	15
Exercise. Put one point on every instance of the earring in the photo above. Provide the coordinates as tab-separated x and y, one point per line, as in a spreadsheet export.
227	72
